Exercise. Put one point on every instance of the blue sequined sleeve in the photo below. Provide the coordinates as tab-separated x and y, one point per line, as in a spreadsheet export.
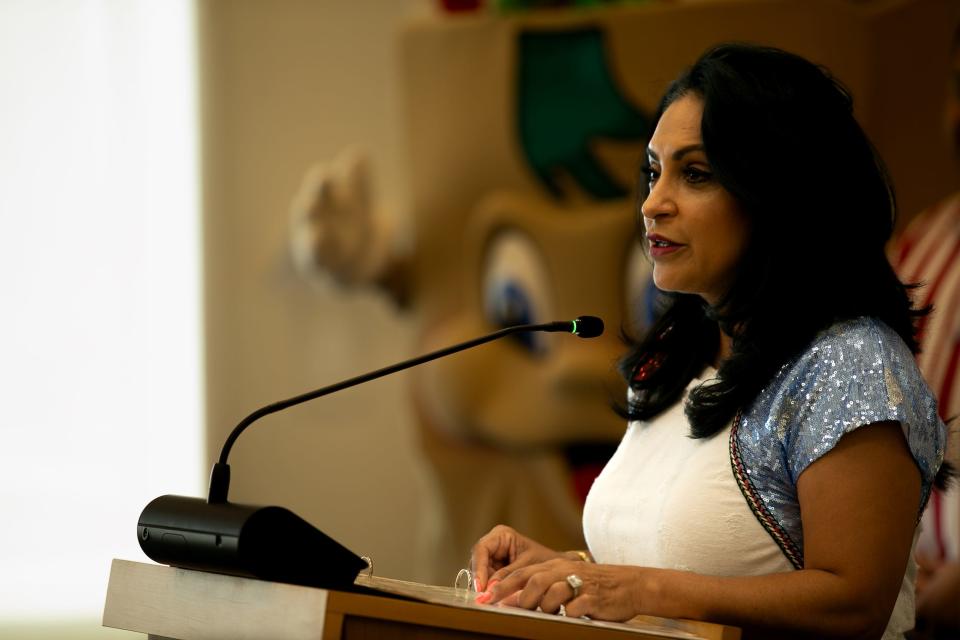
857	373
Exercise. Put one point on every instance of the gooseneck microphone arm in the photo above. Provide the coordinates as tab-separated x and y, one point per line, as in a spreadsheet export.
584	327
273	543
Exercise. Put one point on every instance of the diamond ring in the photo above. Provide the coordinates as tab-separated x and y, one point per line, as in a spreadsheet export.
575	583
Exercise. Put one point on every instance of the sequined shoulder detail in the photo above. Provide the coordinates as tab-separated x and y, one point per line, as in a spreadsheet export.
856	373
755	502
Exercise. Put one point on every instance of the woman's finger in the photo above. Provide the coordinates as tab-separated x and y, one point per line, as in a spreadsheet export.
511	600
582	605
523	560
558	593
507	580
480	564
491	553
532	582
535	586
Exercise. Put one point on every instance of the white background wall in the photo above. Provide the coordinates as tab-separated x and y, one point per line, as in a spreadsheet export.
100	347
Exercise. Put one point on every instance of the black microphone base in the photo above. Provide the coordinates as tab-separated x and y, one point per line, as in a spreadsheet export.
268	543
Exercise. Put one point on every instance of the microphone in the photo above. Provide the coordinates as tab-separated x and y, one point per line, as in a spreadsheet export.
273	543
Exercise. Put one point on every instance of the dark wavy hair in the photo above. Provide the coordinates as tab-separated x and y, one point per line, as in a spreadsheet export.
780	136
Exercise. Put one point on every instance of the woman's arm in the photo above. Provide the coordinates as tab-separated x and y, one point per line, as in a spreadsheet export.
859	505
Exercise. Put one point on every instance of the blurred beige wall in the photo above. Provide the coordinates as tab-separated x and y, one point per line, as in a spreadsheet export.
287	83
904	116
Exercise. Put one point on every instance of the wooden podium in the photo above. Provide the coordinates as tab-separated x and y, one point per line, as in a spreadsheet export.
165	602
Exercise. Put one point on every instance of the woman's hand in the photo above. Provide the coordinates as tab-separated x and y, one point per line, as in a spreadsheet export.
608	592
504	550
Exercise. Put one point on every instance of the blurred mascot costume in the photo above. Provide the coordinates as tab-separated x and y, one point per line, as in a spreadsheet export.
524	133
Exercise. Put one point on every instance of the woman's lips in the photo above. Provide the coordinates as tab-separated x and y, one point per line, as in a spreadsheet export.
661	246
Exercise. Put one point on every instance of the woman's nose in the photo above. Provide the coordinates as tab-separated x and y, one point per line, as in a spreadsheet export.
659	202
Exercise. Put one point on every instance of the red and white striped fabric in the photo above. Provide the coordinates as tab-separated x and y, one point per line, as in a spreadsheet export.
928	252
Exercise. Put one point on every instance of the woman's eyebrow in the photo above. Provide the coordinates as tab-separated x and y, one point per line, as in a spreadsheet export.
682	151
679	153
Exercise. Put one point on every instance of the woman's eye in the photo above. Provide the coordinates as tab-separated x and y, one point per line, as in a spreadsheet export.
650	174
697	176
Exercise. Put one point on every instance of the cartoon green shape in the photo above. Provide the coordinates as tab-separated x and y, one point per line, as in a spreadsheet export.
567	98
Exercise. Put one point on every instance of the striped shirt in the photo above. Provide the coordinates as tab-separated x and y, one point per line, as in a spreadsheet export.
928	252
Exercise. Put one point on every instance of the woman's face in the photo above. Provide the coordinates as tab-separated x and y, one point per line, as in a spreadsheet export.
695	229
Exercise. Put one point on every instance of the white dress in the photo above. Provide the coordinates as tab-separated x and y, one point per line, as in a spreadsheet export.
670	501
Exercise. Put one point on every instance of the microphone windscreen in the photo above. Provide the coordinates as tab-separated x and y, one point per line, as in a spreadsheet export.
588	326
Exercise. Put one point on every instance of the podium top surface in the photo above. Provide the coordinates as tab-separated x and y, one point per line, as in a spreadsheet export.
193	605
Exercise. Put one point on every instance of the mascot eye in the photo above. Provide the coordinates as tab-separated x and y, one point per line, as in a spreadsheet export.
516	286
640	293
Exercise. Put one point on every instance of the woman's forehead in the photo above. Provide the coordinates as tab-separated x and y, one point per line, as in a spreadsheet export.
679	126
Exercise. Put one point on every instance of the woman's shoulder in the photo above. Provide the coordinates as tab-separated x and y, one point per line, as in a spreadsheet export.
854	373
860	332
856	370
857	347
